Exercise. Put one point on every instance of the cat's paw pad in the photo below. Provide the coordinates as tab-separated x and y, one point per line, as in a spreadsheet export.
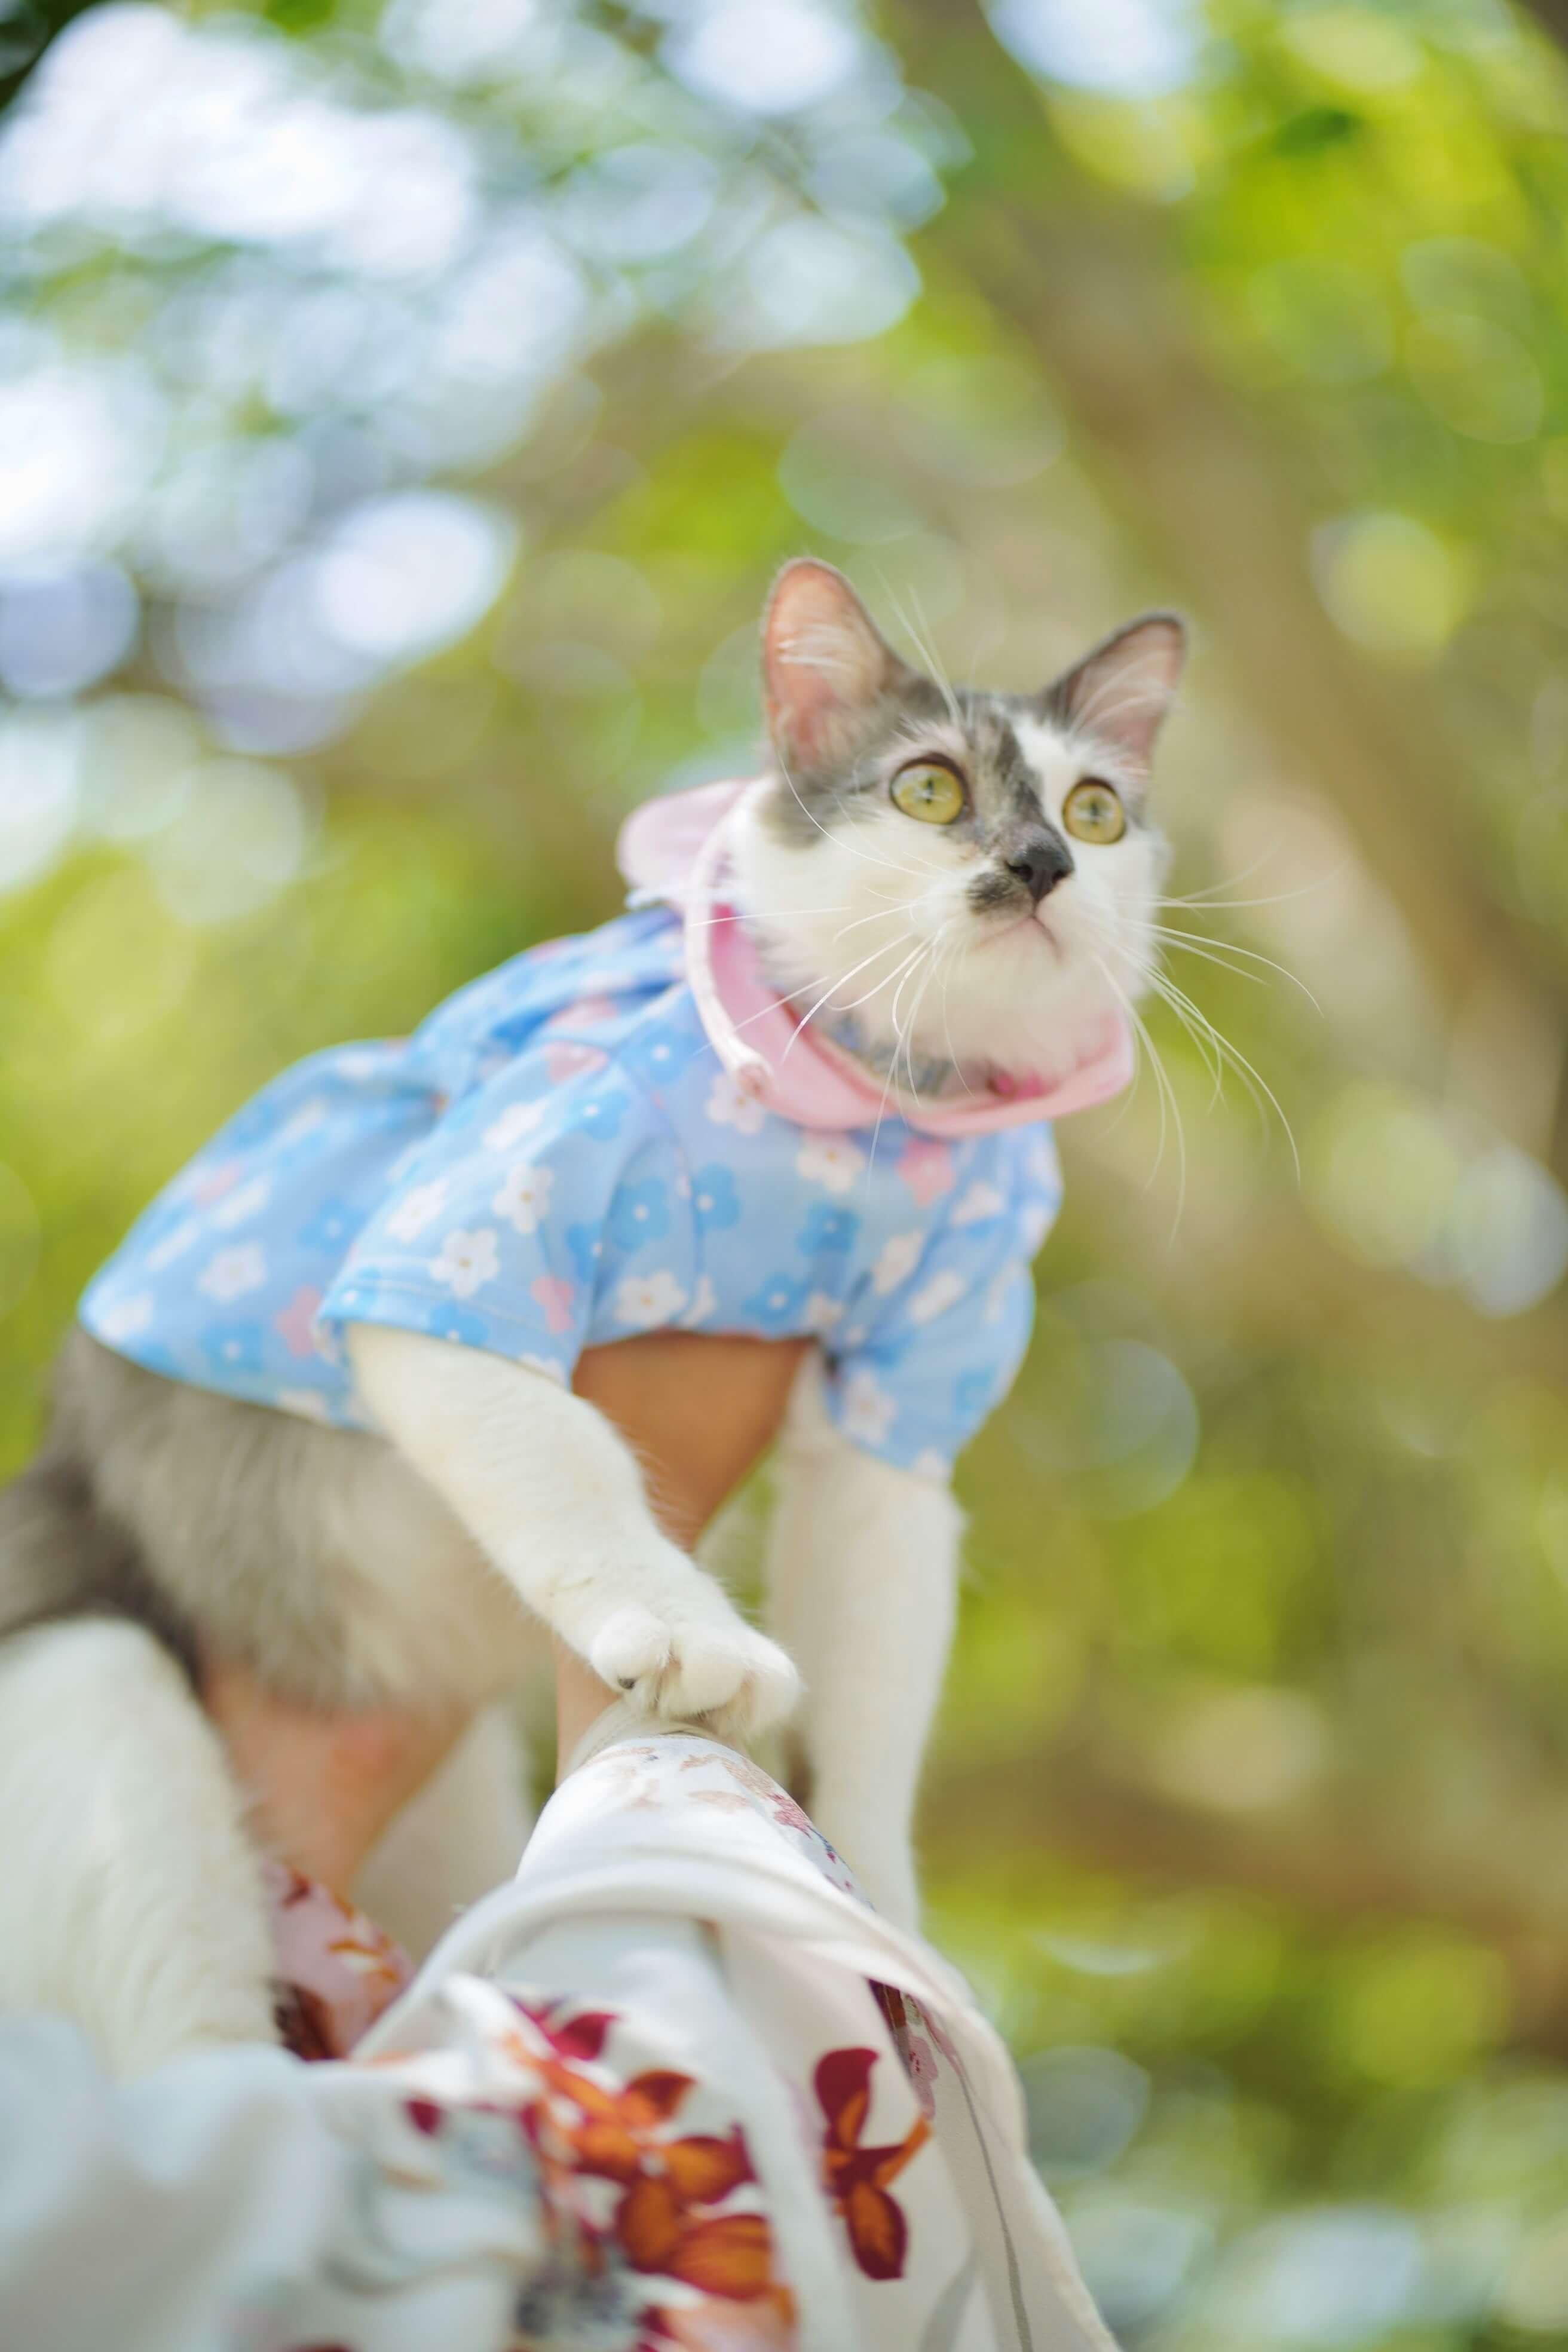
730	1676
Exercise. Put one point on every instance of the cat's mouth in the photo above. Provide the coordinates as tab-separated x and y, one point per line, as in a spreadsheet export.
1031	921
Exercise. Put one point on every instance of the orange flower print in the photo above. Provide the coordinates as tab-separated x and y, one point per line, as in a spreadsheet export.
669	2221
857	2178
336	1969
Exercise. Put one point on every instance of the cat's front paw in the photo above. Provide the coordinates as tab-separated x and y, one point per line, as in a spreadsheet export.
734	1677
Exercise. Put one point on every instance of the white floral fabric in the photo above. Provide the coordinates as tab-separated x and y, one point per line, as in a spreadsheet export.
675	2089
558	1158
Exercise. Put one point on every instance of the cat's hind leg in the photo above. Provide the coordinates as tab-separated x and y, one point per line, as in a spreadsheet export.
130	1895
862	1589
461	1836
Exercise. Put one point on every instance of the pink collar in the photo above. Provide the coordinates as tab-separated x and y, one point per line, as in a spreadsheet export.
676	849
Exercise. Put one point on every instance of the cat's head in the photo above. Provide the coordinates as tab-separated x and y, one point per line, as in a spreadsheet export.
973	874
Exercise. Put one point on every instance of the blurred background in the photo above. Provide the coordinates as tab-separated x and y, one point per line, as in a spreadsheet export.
402	411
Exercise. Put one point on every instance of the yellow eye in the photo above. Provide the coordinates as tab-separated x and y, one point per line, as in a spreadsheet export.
1093	812
929	792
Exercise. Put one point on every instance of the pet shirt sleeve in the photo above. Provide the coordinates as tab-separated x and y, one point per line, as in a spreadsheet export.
912	1381
535	1200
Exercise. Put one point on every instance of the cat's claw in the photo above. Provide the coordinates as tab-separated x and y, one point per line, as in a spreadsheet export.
729	1676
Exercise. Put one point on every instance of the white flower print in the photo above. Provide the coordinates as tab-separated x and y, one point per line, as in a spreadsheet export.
417	1209
127	1318
466	1259
704	1300
730	1104
524	1196
980	1202
997	1296
830	1160
233	1272
867	1410
1035	1224
402	1163
516	1122
172	1245
644	1300
248	1201
305	1121
896	1261
821	1311
936	1297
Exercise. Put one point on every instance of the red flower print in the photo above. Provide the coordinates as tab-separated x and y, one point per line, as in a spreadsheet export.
580	2037
904	2015
857	2178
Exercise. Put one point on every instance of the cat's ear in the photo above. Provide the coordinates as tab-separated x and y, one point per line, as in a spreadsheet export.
825	668
1121	692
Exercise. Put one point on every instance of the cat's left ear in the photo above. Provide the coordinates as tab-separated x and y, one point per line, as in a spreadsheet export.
1121	692
826	670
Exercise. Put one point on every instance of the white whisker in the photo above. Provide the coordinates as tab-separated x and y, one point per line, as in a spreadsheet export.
1166	1091
804	1020
949	966
1212	951
928	654
907	871
887	1081
1251	1077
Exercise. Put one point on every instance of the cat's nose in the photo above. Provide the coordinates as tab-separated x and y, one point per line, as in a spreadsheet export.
1041	864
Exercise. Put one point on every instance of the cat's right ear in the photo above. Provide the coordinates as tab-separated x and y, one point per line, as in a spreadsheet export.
825	668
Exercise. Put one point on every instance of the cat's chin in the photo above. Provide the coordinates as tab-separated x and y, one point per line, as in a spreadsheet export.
1023	1003
1025	935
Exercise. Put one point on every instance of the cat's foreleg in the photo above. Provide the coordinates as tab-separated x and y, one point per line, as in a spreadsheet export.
863	1567
458	1838
555	1498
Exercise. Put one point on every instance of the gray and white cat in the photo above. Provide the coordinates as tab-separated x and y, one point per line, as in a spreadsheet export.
1004	840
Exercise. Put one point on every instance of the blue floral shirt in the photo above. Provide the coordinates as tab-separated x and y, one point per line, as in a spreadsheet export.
556	1158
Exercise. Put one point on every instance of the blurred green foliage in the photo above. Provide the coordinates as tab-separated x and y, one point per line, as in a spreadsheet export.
1246	1807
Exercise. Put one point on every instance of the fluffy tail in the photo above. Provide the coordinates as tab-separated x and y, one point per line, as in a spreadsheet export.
61	1557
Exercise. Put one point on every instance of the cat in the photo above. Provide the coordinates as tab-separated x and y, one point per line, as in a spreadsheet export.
316	1413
